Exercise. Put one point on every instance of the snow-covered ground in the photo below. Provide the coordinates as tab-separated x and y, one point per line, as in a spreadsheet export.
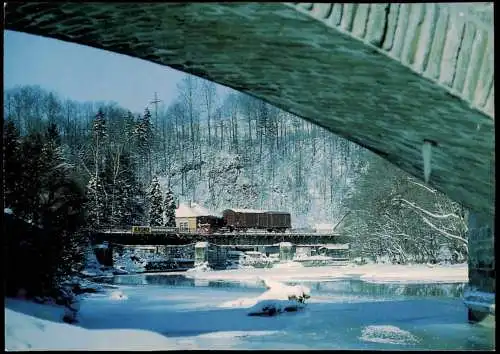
176	317
30	326
418	273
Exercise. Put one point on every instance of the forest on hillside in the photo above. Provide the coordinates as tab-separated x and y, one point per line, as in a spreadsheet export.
223	152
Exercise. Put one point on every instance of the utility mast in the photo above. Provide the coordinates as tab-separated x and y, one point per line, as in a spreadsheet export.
155	102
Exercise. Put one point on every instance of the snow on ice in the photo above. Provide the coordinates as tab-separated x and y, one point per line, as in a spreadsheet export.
387	334
118	295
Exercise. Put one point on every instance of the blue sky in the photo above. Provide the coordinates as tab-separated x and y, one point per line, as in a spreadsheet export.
83	73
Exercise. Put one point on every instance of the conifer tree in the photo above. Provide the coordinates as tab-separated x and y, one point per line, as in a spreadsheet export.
12	165
144	133
51	203
130	126
169	209
33	165
126	210
155	203
99	126
95	203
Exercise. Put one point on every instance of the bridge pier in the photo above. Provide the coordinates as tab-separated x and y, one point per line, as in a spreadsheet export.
200	253
481	293
286	251
215	256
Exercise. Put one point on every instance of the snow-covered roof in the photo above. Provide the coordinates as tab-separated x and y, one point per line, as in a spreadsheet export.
248	210
337	246
184	211
323	226
256	211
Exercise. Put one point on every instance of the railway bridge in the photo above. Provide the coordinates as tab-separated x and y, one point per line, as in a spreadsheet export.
411	82
237	238
213	248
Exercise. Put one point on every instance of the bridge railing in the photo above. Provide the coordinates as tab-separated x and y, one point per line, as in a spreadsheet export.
218	234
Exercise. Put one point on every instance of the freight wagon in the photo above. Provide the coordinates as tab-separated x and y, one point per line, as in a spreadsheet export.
244	219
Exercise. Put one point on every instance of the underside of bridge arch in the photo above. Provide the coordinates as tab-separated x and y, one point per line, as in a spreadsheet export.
280	55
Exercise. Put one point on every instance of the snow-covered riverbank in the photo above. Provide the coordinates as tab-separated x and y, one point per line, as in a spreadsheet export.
26	331
384	273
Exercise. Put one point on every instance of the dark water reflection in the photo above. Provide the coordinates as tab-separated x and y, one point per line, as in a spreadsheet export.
359	287
337	287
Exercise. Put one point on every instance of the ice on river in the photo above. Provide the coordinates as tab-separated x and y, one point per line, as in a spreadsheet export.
194	317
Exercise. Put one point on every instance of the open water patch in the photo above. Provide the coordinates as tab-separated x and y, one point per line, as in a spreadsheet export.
337	287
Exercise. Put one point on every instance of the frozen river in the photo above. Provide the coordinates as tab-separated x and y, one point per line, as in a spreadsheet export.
341	314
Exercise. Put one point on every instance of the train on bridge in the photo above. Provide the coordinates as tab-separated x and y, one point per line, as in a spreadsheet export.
232	220
245	219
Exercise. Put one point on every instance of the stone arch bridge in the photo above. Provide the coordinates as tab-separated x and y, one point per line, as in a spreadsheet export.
398	79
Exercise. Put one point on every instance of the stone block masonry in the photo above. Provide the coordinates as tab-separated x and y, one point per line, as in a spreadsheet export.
388	77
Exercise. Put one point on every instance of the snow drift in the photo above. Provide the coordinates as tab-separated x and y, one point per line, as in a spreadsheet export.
24	332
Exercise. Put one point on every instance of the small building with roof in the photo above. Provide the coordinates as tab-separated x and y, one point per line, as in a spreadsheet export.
190	217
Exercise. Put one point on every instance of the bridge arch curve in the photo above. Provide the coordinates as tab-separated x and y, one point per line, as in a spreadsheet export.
389	77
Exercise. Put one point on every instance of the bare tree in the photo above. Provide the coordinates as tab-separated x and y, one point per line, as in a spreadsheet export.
209	96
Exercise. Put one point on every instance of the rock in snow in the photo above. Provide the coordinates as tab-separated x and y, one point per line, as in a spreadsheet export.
277	299
275	307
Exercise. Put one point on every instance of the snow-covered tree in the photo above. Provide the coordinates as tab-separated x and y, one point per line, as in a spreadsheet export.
95	186
155	203
127	192
50	213
95	204
99	125
12	165
144	135
169	209
395	216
